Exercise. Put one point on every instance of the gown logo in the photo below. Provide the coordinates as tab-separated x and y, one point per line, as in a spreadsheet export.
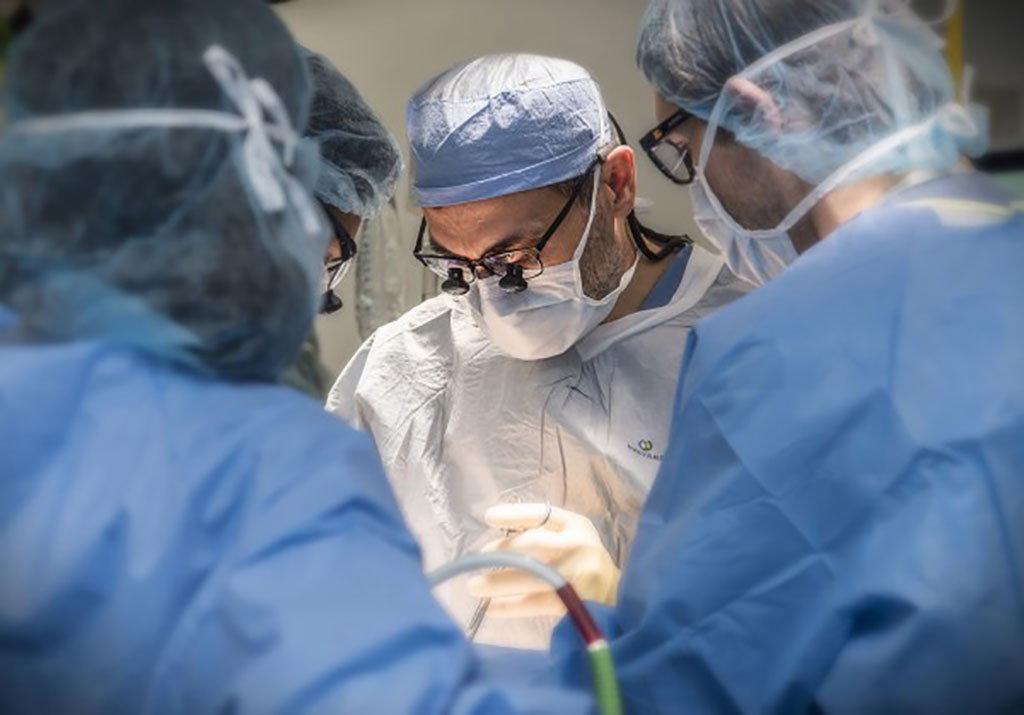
645	449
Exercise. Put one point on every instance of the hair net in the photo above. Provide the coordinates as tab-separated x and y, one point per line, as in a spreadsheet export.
361	161
152	193
812	84
501	124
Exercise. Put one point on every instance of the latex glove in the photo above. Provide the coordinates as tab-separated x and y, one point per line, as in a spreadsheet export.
566	541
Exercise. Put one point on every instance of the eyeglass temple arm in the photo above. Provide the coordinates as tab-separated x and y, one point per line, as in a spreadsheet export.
539	246
669	243
418	248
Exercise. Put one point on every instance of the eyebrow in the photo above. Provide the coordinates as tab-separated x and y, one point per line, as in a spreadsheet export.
511	242
521	239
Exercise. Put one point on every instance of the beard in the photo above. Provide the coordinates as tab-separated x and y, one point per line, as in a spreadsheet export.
605	259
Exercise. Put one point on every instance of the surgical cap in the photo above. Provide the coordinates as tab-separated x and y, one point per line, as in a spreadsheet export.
198	245
361	161
501	124
811	84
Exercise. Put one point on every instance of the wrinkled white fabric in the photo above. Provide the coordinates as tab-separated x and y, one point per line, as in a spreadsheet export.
461	427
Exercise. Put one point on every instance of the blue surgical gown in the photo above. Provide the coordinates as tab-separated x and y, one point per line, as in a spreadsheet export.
838	524
169	544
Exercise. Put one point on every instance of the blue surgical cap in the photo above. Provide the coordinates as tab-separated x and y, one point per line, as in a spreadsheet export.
812	84
501	124
360	159
153	191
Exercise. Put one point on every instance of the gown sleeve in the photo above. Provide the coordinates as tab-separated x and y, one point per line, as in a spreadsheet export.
322	606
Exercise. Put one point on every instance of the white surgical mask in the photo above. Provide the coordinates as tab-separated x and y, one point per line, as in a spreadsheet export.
553	313
755	260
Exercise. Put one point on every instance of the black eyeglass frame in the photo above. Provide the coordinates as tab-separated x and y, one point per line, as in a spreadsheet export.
536	249
657	136
329	301
346	242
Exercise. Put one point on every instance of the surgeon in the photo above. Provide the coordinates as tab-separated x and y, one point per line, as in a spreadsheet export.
359	166
838	525
178	533
528	406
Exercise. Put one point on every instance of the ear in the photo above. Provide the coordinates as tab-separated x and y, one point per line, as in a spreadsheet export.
757	102
619	174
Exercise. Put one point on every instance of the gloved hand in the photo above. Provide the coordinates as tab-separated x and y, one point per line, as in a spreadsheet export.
562	539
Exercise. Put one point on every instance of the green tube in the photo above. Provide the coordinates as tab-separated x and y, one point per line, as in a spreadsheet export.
606	684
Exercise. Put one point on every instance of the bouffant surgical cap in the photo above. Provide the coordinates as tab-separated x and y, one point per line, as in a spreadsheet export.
360	159
502	124
153	189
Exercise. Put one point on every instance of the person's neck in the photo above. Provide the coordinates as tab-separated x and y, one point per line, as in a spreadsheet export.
644	278
845	203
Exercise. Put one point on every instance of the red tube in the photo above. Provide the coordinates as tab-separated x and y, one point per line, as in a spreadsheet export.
579	614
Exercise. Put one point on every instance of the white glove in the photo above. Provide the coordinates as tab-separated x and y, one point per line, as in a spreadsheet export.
562	539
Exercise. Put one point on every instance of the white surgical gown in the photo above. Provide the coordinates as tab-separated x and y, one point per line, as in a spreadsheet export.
461	427
169	544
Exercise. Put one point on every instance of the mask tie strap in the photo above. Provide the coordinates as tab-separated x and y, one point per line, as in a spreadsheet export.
257	102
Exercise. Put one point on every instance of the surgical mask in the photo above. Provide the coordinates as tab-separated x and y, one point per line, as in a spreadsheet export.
755	260
554	314
758	255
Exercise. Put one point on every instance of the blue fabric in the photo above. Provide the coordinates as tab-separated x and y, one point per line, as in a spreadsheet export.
522	666
501	124
170	544
838	525
669	281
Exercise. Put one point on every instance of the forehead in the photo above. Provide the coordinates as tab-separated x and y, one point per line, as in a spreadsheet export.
472	228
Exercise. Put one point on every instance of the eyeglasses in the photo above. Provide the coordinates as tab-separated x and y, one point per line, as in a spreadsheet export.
515	266
672	160
337	267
